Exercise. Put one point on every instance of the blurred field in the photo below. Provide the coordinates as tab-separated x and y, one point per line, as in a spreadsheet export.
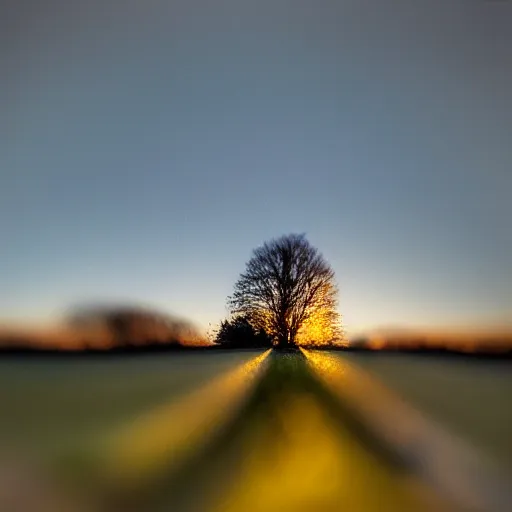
186	432
290	448
298	450
471	397
47	404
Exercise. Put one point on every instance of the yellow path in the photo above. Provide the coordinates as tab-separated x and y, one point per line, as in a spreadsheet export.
295	456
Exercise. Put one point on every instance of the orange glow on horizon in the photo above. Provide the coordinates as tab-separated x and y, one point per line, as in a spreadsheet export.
494	341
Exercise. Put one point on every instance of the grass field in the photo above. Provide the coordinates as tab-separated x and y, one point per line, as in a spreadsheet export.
471	397
284	444
46	403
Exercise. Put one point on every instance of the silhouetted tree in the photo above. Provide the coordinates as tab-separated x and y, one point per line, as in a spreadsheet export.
239	333
287	283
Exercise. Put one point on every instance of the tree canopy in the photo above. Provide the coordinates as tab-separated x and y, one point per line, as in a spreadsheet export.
288	289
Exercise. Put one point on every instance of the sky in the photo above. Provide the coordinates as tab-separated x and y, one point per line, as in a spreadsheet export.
146	147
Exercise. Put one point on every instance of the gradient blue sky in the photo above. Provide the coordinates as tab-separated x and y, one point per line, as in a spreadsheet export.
148	146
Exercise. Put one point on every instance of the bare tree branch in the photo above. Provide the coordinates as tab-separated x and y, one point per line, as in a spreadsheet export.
287	283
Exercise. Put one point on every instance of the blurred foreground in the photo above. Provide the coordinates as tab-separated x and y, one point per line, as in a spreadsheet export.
234	430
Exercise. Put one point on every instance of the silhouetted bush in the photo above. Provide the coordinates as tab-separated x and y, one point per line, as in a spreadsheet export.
239	333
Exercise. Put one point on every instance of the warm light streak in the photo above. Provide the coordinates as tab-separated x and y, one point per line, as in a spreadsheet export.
303	460
449	464
170	432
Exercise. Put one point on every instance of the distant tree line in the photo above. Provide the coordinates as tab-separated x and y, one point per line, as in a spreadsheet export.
127	326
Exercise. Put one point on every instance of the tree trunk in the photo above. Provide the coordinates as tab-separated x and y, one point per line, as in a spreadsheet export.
282	341
293	336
